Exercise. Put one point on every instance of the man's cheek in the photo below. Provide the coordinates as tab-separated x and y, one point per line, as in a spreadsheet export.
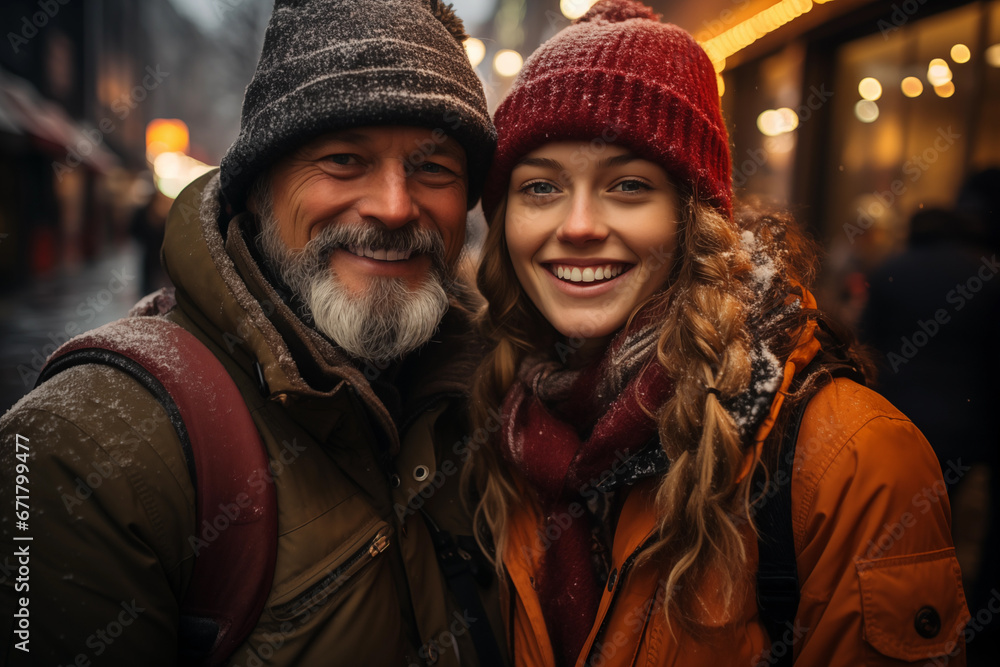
453	243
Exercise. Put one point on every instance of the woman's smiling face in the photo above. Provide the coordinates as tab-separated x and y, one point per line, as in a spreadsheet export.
591	234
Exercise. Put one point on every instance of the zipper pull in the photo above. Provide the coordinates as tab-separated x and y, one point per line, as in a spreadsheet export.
378	545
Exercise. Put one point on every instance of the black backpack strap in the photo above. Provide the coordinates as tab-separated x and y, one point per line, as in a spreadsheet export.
464	573
777	571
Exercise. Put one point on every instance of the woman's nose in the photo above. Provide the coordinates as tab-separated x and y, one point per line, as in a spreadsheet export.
583	224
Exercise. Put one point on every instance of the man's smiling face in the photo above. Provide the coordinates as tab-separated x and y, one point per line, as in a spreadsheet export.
365	226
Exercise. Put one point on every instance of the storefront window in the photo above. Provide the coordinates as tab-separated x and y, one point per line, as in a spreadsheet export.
915	112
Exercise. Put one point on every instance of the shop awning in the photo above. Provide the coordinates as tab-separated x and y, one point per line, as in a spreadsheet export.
23	110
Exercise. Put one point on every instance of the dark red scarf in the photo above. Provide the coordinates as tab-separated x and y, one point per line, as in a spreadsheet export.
563	432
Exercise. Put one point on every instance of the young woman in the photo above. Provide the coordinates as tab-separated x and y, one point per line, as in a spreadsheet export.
650	350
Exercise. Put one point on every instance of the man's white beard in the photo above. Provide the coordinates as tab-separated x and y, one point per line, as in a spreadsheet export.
387	320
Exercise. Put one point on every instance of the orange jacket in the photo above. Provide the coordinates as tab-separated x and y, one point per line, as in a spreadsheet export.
872	527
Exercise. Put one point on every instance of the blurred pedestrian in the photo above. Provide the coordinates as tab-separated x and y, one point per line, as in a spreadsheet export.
147	228
934	316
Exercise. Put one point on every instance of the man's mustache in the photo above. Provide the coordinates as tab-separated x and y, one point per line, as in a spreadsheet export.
411	238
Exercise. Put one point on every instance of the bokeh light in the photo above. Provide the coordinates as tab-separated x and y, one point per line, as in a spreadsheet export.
993	56
507	62
574	9
174	171
866	111
945	89
912	86
165	135
938	72
476	50
870	88
774	122
960	53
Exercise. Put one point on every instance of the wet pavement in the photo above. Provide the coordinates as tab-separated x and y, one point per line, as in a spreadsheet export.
50	310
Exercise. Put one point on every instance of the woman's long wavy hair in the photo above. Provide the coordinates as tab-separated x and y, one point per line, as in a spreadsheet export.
703	504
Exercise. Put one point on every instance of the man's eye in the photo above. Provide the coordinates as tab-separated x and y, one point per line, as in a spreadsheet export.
345	159
431	168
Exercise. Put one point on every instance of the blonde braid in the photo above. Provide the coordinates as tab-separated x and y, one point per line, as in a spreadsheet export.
705	347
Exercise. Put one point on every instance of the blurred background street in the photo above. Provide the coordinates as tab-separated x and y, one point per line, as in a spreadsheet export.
875	121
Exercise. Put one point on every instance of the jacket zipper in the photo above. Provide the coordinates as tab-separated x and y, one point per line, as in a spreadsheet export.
619	584
321	591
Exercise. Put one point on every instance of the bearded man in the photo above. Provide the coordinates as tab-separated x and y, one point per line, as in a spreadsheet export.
319	267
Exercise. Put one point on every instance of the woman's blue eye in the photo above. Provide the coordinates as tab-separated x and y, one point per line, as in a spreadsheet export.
541	188
344	159
431	168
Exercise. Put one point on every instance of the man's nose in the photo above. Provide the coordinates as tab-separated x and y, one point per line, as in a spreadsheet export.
388	198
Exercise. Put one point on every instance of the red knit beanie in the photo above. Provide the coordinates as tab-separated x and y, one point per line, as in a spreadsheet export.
619	75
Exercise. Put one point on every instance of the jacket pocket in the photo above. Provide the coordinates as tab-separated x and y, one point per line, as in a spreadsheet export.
913	606
335	577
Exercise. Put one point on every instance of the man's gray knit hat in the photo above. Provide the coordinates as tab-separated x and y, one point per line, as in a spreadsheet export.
333	64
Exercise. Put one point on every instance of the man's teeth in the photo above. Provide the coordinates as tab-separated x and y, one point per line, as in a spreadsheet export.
379	253
589	274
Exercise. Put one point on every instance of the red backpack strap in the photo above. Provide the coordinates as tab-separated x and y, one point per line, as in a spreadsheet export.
236	536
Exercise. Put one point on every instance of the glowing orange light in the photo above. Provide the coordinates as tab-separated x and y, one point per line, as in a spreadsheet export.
166	135
912	86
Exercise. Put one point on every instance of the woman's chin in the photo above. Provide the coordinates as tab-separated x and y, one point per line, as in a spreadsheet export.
581	330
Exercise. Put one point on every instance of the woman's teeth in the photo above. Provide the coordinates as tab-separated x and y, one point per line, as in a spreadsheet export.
379	253
588	274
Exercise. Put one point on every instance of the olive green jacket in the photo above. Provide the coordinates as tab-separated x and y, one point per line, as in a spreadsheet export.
356	453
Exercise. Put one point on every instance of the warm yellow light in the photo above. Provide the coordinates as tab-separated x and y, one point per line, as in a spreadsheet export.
993	56
507	62
749	31
174	171
168	165
870	88
721	84
788	118
166	135
912	86
938	72
866	111
574	9
476	50
945	90
767	123
960	53
775	122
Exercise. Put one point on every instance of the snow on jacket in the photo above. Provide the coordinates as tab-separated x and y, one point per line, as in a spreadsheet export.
879	581
112	505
